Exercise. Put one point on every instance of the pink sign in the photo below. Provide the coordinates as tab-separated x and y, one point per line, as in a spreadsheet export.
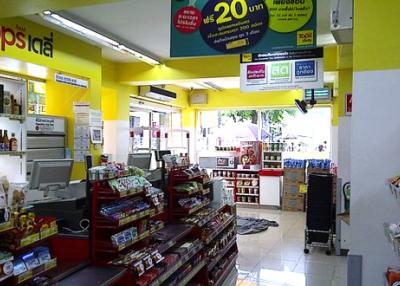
256	74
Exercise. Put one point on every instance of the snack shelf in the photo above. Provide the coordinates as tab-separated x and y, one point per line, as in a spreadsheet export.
193	210
185	230
217	231
13	116
114	195
156	212
222	253
392	238
225	178
108	247
35	239
106	223
270	151
247	179
227	270
248	187
192	273
250	195
153	231
179	264
38	271
6	226
244	203
197	192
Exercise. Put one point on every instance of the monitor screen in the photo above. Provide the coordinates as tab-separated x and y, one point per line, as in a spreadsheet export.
50	173
140	160
161	153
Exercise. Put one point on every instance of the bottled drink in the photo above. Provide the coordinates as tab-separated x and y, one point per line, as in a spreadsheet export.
1	140
6	142
13	143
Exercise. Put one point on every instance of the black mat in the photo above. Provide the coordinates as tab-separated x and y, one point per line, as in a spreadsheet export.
250	225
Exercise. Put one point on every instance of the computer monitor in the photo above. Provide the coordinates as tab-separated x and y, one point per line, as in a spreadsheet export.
140	160
50	175
161	153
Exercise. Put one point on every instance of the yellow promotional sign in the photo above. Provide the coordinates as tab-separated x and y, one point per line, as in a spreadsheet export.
303	188
289	15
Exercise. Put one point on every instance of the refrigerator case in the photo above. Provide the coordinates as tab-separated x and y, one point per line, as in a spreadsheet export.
46	138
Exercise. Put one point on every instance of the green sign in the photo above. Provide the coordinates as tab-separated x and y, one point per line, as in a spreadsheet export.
212	27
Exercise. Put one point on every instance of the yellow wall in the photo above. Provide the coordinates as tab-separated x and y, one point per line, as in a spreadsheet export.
196	68
233	98
72	57
376	46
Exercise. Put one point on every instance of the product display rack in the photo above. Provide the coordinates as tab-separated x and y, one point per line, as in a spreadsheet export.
272	155
203	271
246	184
24	245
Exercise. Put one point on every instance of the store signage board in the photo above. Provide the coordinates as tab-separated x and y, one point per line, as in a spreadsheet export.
302	69
62	78
215	27
45	124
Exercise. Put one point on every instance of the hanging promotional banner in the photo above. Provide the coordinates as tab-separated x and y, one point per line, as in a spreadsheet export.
212	27
303	69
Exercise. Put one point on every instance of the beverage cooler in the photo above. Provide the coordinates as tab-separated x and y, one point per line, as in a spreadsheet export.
46	138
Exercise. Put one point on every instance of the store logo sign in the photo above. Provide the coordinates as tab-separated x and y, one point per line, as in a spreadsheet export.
257	74
280	72
305	70
19	38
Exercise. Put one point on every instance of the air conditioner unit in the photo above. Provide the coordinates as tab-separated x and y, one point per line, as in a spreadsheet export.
321	95
342	21
156	93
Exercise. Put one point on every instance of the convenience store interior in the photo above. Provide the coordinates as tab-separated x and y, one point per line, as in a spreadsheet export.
93	87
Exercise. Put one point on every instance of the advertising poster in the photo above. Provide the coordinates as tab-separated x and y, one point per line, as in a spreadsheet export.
212	27
302	69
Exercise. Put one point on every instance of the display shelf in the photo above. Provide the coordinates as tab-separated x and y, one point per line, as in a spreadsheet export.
108	247
192	273
106	223
156	212
12	153
224	178
217	231
197	192
222	253
272	161
114	195
153	231
247	179
248	187
35	239
227	270
193	210
13	116
272	168
270	151
250	204
179	264
244	194
6	226
39	271
180	231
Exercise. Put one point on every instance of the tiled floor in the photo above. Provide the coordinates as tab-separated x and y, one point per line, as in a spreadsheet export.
276	258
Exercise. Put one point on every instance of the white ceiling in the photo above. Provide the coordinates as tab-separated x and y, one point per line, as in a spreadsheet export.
145	24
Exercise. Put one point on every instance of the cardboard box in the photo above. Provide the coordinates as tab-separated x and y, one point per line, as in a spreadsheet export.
294	175
291	189
318	170
293	203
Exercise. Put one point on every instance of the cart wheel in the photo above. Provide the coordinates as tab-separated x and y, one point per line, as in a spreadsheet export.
306	251
328	252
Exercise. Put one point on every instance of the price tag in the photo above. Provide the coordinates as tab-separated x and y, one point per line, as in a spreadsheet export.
25	276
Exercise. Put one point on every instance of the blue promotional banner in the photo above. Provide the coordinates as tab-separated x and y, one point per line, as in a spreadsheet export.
214	27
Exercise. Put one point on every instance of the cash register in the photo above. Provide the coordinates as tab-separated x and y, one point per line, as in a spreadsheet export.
52	194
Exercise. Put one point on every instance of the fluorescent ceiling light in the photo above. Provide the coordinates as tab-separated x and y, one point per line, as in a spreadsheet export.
94	36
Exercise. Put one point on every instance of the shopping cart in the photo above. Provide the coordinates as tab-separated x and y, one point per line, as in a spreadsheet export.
319	221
